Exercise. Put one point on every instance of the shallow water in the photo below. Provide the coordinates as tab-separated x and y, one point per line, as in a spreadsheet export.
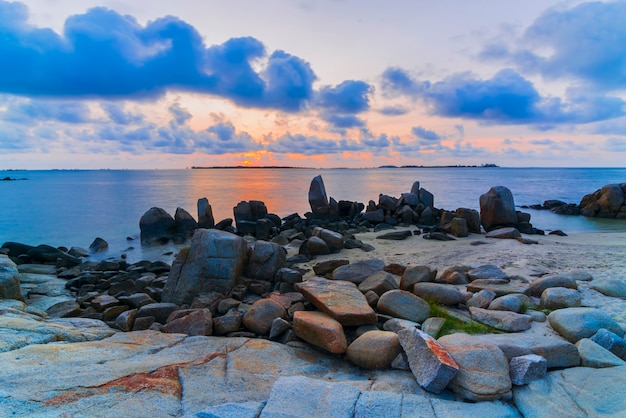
71	208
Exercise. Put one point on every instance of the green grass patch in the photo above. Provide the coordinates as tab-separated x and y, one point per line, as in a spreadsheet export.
453	324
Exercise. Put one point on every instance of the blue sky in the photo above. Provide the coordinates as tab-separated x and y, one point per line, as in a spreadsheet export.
161	84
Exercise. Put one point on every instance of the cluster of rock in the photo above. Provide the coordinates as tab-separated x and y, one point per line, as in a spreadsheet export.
606	202
497	210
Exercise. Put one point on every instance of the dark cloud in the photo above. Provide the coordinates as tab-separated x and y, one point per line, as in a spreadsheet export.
312	145
396	82
426	134
107	55
25	111
344	121
376	142
348	97
509	98
181	115
543	142
394	110
120	115
224	131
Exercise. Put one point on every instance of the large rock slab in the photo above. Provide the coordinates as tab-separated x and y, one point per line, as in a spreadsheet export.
502	320
9	279
404	305
374	349
610	287
261	314
359	271
378	283
576	323
537	286
594	355
339	299
431	364
575	392
557	352
606	202
321	330
213	262
483	368
500	287
443	294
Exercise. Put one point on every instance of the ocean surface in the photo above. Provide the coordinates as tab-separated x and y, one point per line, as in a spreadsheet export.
72	208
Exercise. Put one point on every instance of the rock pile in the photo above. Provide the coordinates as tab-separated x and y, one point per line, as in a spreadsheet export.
497	210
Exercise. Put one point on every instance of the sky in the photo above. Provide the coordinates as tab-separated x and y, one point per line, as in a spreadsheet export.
163	84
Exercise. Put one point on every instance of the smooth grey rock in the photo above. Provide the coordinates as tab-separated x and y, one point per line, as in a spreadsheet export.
576	323
611	342
397	324
515	302
431	364
594	355
493	409
404	305
205	214
374	350
559	298
379	282
185	223
483	368
500	287
526	368
575	392
610	287
416	274
481	299
359	271
443	294
502	320
9	280
333	239
487	271
261	315
265	260
557	352
537	286
497	208
504	233
375	404
432	326
156	226
299	396
214	262
318	200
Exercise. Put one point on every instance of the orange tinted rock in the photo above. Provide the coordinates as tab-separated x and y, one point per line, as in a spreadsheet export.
321	330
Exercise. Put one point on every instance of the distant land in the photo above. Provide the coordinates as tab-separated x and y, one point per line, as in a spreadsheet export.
342	168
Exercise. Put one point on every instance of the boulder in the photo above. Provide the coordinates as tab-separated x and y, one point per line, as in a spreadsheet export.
156	226
230	322
515	302
502	320
379	283
265	260
333	239
205	214
610	287
481	299
594	355
487	271
318	200
443	294
158	311
576	323
185	223
374	350
320	330
454	275
327	267
559	298
359	271
46	254
606	202
339	299
483	369
261	314
458	227
213	262
497	208
316	246
416	274
404	305
97	246
537	286
198	322
524	369
504	233
500	287
431	364
611	342
9	280
472	219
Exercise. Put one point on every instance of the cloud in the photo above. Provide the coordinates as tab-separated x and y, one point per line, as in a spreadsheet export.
120	115
422	133
586	43
615	144
349	96
102	54
24	111
378	142
396	110
312	145
507	98
224	131
344	121
397	82
181	115
543	142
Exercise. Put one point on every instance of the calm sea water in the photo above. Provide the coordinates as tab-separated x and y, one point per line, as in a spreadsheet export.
71	208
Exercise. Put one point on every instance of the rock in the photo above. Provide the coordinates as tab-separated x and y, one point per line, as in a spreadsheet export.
265	260
289	276
214	262
318	200
102	302
279	327
432	326
605	202
576	323
416	274
560	297
458	227
126	320
260	316
497	208
504	233
442	294
376	217
610	287
46	254
611	342
15	249
374	350
500	287
575	392
80	252
483	368
157	226
537	286
97	246
454	275
481	299
487	271
502	320
9	280
524	369
230	322
397	324
596	356
557	352
339	299
66	309
199	322
472	219
333	240
515	302
205	214
321	330
379	283
234	410
185	223
430	363
302	397
326	267
137	300
395	236
405	305
359	271
159	311
426	198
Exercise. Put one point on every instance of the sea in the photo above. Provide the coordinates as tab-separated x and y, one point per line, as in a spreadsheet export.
73	207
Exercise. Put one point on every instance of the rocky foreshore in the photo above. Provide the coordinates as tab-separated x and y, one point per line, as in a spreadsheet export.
339	313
